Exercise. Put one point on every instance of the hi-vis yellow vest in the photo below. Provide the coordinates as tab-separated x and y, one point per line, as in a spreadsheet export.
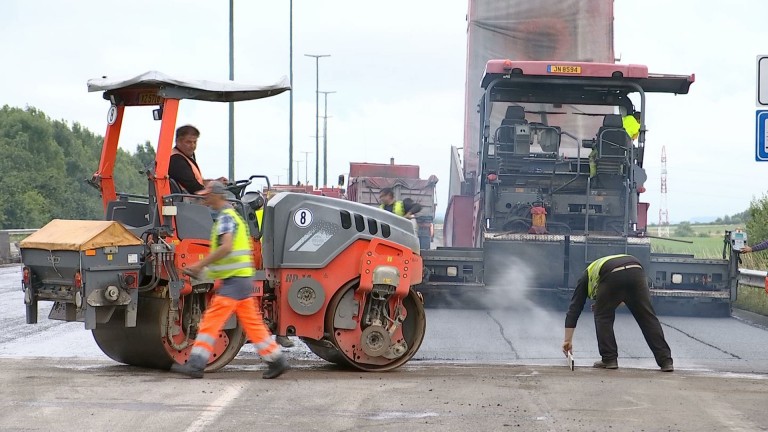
259	219
593	272
631	125
397	208
239	262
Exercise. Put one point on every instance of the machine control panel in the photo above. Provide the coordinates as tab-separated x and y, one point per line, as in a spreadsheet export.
738	239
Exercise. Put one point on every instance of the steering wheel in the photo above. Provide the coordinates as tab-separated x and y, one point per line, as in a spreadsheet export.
238	186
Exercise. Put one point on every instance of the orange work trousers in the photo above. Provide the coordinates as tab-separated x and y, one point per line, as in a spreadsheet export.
249	316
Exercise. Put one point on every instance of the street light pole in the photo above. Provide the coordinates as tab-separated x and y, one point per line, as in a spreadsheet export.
306	171
325	138
231	78
298	176
290	94
317	113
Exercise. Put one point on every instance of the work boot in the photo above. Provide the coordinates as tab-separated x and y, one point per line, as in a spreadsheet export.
276	368
284	341
193	368
667	366
610	364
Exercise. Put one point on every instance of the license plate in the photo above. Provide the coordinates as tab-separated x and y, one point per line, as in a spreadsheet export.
564	69
149	99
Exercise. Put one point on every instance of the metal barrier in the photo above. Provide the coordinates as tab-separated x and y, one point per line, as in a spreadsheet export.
9	251
15	232
755	278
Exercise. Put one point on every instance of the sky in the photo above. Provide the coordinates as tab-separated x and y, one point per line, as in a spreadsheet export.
398	68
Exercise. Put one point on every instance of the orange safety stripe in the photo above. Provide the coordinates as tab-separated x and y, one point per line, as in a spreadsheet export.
195	169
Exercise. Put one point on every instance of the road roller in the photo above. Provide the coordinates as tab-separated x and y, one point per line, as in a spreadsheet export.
337	274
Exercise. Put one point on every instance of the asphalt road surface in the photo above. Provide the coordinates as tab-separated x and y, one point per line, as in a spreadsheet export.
496	369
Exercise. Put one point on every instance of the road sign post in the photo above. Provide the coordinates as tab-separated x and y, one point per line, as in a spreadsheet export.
761	129
761	115
762	80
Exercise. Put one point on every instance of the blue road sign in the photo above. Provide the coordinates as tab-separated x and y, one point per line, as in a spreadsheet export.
761	141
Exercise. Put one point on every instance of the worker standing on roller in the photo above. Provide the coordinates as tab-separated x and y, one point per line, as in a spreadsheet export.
231	261
389	203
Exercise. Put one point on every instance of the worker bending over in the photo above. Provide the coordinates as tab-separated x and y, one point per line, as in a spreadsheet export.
610	281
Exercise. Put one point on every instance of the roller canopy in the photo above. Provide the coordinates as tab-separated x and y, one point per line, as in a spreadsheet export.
165	86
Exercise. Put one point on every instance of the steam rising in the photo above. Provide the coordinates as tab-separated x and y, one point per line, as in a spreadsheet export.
512	291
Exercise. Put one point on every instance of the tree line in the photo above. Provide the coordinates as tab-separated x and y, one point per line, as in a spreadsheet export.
44	165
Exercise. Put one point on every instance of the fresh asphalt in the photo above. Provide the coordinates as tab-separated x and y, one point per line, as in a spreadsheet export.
498	369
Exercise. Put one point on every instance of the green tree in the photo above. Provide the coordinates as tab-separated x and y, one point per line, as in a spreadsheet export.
740	218
145	154
684	230
45	164
757	219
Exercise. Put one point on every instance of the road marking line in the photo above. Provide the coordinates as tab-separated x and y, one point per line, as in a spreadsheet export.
212	411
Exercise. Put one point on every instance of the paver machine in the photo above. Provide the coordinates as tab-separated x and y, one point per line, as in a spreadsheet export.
558	185
335	273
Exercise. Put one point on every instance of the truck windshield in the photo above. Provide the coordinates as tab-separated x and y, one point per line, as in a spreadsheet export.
581	121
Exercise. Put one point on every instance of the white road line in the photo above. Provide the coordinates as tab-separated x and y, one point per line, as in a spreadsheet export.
212	411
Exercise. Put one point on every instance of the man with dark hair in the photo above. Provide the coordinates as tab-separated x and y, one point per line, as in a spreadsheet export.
182	167
611	281
388	202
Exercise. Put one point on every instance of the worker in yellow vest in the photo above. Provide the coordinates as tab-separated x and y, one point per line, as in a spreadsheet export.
231	261
611	281
388	202
631	123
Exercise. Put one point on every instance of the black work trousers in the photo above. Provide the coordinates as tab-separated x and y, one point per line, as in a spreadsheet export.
628	286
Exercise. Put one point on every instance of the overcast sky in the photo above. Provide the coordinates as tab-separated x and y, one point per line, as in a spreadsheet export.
398	67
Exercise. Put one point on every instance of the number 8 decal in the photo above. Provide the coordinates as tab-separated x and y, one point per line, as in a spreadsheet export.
302	218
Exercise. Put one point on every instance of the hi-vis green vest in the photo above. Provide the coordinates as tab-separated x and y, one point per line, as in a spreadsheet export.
239	262
397	208
593	272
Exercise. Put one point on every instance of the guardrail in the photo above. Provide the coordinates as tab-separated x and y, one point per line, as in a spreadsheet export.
9	251
755	278
19	231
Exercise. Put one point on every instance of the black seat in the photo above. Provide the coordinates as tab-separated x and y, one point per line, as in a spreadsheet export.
612	139
131	213
612	147
193	221
515	115
252	202
176	187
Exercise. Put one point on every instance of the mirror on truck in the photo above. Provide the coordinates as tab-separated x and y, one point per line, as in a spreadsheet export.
341	180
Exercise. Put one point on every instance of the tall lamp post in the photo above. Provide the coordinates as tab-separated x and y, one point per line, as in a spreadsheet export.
231	78
317	113
290	94
306	171
325	137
